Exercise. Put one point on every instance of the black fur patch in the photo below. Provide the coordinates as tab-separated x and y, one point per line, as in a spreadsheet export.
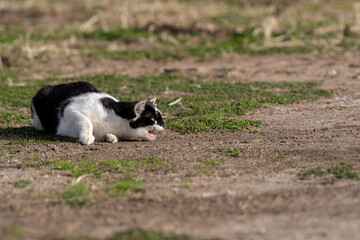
122	109
148	117
50	100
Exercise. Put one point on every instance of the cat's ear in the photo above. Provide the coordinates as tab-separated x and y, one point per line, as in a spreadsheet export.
153	100
139	108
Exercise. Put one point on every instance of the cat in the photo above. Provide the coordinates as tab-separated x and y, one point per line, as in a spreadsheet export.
80	110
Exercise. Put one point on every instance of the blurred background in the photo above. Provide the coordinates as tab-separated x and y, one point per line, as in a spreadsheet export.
50	32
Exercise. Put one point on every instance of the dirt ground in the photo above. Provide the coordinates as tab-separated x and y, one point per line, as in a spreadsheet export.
256	195
259	199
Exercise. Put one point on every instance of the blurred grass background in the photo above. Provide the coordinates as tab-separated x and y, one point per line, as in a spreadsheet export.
34	30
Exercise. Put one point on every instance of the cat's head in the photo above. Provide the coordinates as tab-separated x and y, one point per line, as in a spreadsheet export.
148	121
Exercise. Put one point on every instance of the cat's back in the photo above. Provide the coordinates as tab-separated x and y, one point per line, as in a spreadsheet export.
50	101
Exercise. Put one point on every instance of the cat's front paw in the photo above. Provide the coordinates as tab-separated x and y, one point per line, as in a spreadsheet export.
111	138
86	139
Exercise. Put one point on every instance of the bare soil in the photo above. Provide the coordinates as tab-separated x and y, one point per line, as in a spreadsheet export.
257	195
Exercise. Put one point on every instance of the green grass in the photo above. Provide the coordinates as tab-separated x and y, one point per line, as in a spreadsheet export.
33	156
79	168
21	183
205	106
213	161
9	118
343	171
153	54
117	34
136	234
241	32
249	41
77	195
15	230
206	124
124	185
232	152
29	135
31	163
97	167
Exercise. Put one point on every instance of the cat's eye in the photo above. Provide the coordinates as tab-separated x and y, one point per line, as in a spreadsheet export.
152	119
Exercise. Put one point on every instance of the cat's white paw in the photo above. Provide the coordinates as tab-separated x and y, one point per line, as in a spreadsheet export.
111	138
86	139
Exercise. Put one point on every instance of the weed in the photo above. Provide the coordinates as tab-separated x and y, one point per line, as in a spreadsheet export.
14	230
79	168
233	152
292	163
314	172
212	161
343	171
2	153
33	156
77	195
117	34
125	184
21	183
338	213
183	185
147	235
31	163
227	174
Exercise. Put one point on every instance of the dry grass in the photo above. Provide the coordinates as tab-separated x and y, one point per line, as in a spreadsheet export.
283	24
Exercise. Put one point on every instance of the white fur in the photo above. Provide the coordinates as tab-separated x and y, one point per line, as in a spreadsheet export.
87	119
35	121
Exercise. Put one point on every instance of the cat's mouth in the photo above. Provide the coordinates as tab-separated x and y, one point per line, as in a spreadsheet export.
152	135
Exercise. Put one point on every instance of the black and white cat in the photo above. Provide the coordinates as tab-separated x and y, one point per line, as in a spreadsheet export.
81	111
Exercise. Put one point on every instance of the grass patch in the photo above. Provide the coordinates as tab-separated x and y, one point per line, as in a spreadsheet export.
31	163
97	167
21	183
147	235
79	168
77	195
31	135
213	161
14	230
14	118
209	104
153	54
343	171
232	152
123	185
116	34
206	124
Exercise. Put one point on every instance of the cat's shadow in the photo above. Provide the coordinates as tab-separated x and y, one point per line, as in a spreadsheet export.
27	134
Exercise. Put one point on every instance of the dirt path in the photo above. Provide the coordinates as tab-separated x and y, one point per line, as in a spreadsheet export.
257	195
